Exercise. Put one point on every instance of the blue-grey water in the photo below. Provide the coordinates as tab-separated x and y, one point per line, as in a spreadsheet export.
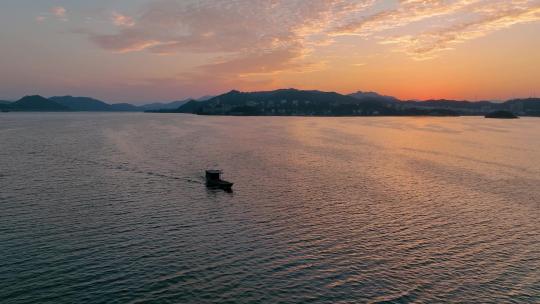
111	208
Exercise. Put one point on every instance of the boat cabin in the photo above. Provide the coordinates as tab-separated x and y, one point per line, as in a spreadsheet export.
213	180
213	175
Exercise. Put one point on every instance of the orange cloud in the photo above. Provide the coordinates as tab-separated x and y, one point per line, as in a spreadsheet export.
259	39
59	12
122	20
446	23
257	36
495	17
407	12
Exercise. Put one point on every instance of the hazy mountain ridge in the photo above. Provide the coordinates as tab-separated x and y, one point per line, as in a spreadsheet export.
82	103
162	105
125	107
374	97
92	104
78	104
284	102
35	103
522	106
172	105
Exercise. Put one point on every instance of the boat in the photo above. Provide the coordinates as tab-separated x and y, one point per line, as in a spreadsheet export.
4	110
213	180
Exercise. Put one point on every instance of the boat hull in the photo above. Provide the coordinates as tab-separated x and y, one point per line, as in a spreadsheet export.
221	184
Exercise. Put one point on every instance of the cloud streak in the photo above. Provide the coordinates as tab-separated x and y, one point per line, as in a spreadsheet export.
265	37
466	20
255	36
122	20
57	12
407	12
427	45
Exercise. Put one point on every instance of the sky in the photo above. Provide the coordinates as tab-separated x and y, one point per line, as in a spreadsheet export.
162	50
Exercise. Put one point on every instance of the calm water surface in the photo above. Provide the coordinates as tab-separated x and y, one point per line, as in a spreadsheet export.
111	208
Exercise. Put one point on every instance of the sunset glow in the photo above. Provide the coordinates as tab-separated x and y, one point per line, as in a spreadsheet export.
143	50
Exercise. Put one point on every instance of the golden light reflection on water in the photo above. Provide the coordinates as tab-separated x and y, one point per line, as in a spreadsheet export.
348	209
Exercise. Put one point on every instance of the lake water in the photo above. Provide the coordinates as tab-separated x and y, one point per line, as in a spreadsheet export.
111	208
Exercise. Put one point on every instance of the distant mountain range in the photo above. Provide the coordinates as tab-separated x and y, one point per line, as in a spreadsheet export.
80	104
523	107
91	104
318	103
283	102
161	105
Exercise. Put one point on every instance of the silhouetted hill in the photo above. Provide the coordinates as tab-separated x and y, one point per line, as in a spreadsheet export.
125	107
372	96
285	102
450	103
459	106
205	98
163	106
92	104
501	115
527	101
525	106
37	103
82	103
156	106
4	105
191	106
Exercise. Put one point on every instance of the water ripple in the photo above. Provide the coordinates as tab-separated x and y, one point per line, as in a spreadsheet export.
111	208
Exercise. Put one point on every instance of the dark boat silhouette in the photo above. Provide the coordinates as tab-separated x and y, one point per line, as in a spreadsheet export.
213	180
